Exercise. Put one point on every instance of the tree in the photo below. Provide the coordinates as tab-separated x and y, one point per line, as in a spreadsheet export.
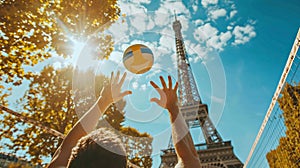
48	101
138	147
287	153
32	30
22	38
84	21
19	165
57	99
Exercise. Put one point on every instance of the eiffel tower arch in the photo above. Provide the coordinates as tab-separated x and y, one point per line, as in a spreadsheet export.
215	152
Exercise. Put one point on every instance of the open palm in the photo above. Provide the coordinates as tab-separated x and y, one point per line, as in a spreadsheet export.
112	91
168	96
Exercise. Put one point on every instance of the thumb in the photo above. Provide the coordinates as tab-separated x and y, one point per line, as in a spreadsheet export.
128	92
154	100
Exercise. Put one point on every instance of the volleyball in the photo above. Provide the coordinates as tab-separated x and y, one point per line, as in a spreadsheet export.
138	58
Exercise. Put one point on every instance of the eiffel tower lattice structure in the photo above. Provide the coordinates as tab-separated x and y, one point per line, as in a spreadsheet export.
214	153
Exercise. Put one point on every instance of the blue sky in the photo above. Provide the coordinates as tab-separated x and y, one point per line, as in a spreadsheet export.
237	51
251	39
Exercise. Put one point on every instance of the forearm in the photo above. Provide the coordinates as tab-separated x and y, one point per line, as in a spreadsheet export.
88	121
182	139
84	125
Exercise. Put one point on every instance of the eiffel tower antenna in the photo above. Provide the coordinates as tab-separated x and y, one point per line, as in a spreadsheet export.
215	151
175	15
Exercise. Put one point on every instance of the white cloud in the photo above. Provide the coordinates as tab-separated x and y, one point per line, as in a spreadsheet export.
162	51
205	3
208	32
215	14
194	48
143	87
153	73
207	35
232	5
156	69
116	56
224	37
165	13
166	40
229	27
138	18
205	32
174	60
135	85
232	13
141	1
243	34
131	8
118	30
161	18
168	30
132	22
195	8
252	22
171	6
218	42
198	22
214	42
122	47
151	24
184	20
211	37
139	22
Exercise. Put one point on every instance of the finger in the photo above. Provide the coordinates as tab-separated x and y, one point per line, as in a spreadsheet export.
170	82
154	85
123	79
158	102
154	100
117	77
176	86
127	92
163	83
160	91
111	77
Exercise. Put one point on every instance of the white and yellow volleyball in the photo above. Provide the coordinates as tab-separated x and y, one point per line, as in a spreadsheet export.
138	58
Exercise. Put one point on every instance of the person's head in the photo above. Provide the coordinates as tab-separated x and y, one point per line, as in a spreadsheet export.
101	148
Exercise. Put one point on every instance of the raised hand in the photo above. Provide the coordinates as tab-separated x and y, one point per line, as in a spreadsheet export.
111	92
168	96
184	146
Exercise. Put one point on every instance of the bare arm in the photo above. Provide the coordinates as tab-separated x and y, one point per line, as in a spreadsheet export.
181	136
88	122
182	139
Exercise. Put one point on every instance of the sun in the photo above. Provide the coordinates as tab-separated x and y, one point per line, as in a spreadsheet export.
77	49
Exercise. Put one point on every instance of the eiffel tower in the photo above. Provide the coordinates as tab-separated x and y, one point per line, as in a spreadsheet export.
215	152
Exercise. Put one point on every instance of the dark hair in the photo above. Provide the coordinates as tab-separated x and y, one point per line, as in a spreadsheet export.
101	148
